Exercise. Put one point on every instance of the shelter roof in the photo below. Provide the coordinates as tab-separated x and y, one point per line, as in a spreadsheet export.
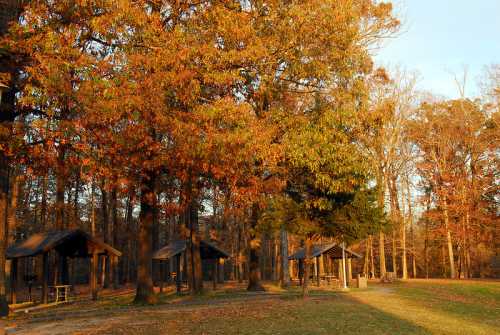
72	243
208	250
331	249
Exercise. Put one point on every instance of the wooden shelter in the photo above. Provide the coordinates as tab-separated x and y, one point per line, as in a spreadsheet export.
177	248
67	244
324	256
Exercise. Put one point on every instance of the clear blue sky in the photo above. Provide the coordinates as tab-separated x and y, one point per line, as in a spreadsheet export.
438	37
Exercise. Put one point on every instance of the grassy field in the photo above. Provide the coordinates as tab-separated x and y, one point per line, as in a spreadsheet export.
413	307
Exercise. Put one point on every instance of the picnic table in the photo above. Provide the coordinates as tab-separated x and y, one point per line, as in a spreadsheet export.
61	292
329	278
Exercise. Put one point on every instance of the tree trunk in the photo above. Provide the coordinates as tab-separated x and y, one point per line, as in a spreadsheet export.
396	217
394	254
381	205
156	239
372	259
254	249
195	275
105	233
60	189
285	275
366	265
12	211
448	239
307	266
145	292
114	230
403	257
4	191
9	12
240	256
76	213
426	241
381	246
43	205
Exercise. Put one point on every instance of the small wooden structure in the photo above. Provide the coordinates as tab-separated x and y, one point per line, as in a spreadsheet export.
323	256
67	244
177	248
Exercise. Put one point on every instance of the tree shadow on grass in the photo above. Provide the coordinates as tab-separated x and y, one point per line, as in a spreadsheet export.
315	315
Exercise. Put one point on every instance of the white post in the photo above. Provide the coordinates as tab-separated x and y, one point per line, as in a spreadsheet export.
343	266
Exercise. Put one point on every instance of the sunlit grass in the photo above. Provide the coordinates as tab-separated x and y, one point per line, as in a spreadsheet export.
413	307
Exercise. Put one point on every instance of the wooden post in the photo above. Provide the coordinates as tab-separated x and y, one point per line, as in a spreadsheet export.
349	270
178	274
93	274
316	263
214	273
344	281
339	263
110	261
321	264
45	284
220	270
301	271
13	281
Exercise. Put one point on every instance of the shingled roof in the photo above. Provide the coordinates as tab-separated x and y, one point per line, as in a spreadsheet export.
208	250
73	243
332	249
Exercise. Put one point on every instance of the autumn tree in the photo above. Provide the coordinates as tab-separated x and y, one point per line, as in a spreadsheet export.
383	135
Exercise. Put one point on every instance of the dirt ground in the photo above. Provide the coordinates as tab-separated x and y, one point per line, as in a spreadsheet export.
413	307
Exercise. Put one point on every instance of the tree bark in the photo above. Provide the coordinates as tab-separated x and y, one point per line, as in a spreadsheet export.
381	205
156	239
60	189
394	254
114	231
4	191
145	291
396	217
366	264
448	238
9	12
307	266
12	211
372	259
43	205
254	248
76	213
285	275
105	233
195	275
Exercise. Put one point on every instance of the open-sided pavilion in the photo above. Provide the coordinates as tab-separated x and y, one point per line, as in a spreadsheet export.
176	249
323	256
66	244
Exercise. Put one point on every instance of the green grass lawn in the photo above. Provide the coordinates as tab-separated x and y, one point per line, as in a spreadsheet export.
414	307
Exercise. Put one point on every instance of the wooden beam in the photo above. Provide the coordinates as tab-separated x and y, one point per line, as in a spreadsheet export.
45	283
349	270
220	270
93	274
316	270
178	273
13	281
